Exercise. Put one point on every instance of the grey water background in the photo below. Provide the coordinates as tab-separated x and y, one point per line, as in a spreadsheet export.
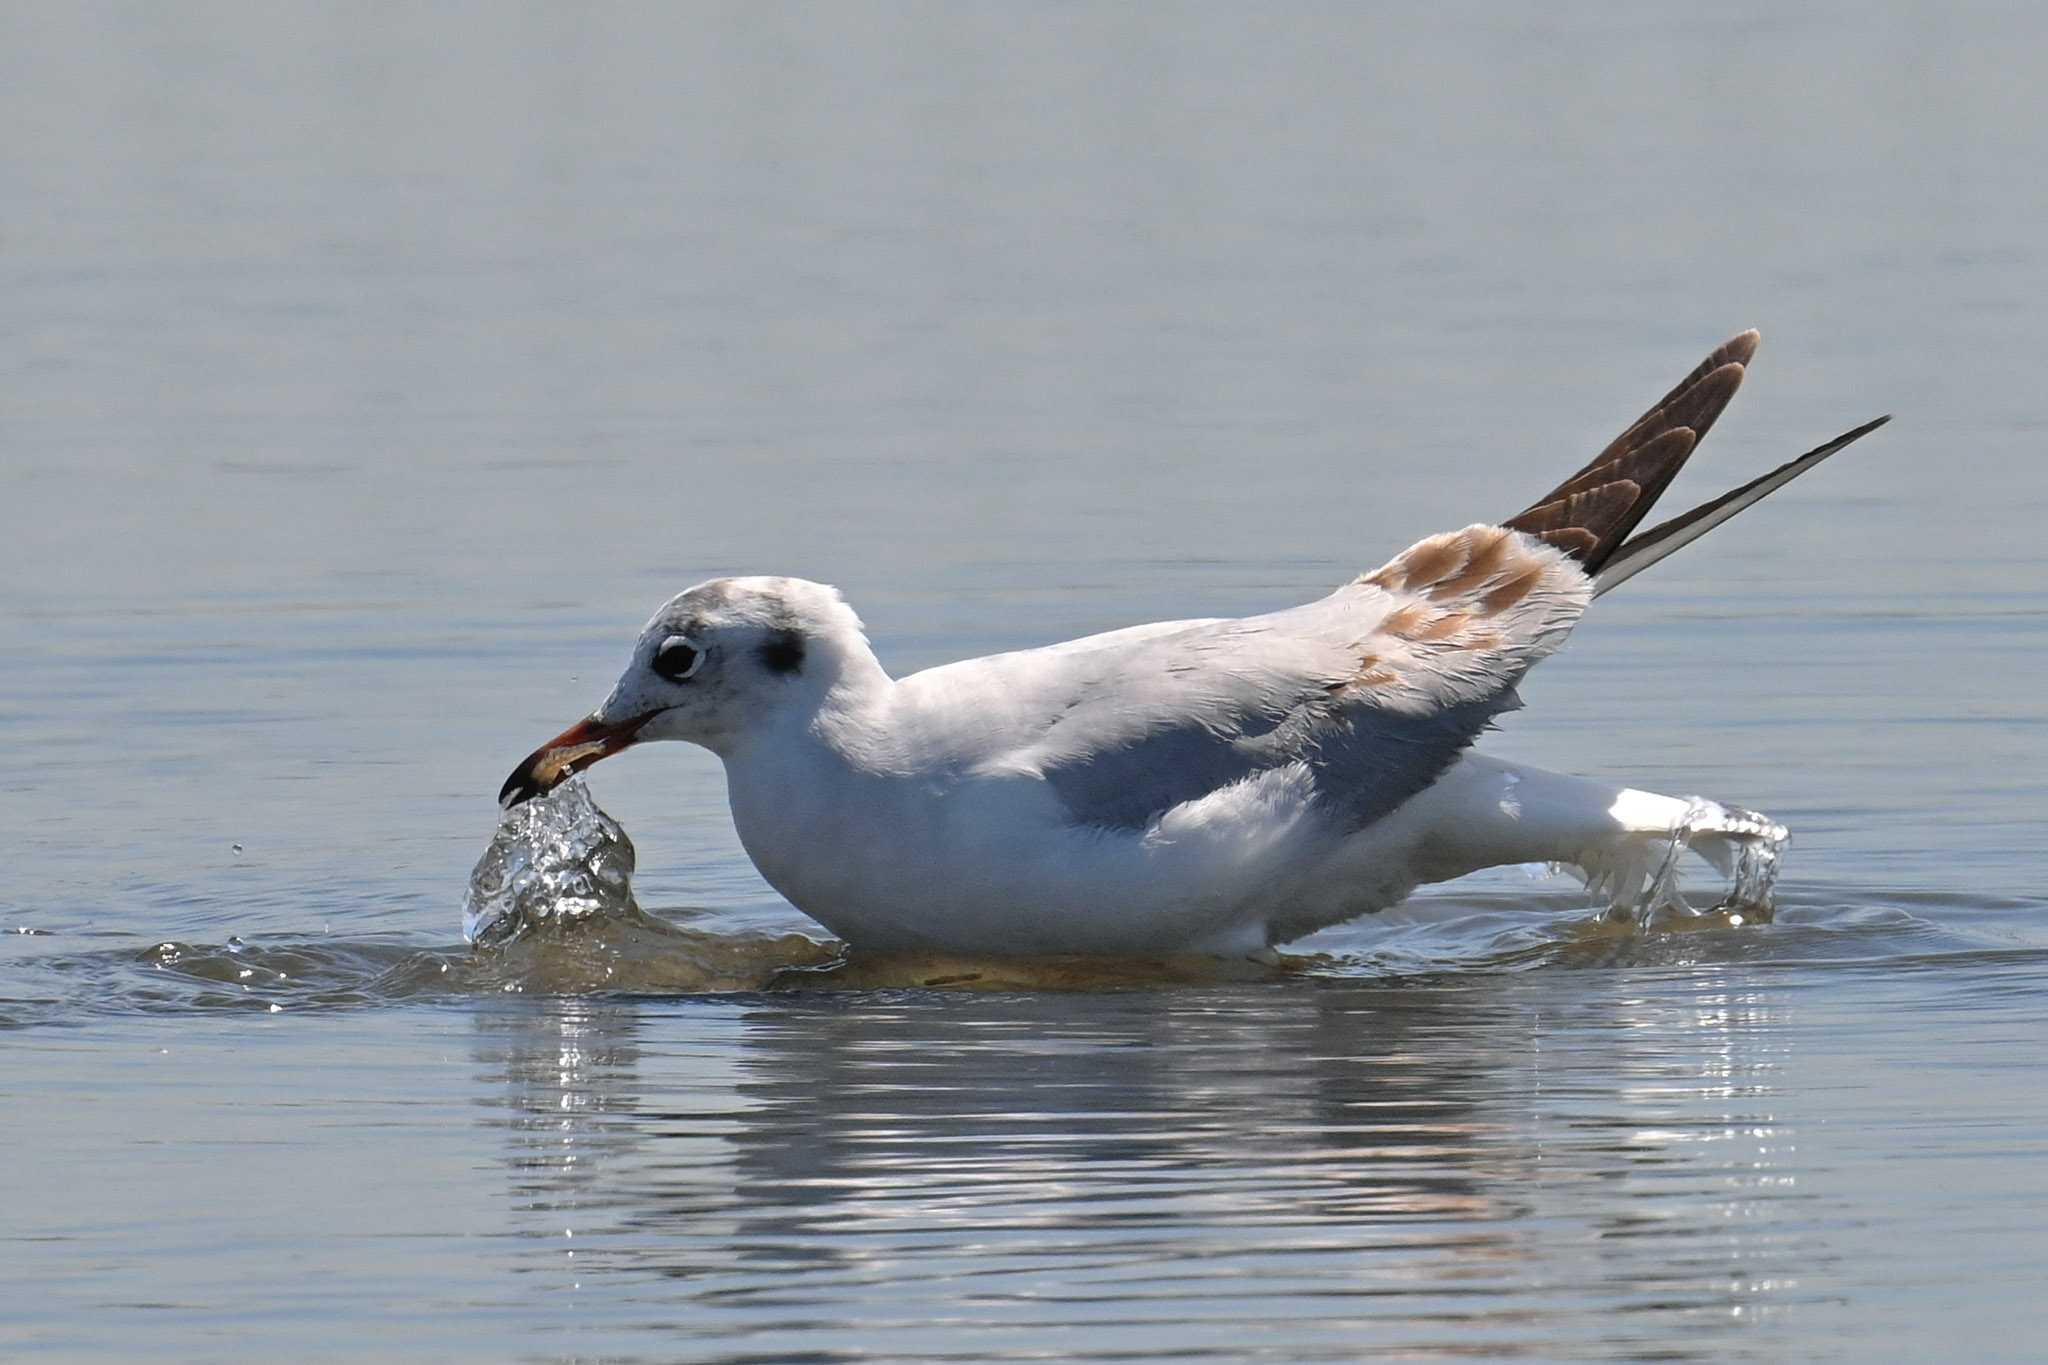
368	375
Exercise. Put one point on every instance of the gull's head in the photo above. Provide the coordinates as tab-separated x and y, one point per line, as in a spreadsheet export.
726	659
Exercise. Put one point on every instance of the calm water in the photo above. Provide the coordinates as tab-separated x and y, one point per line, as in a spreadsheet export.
369	376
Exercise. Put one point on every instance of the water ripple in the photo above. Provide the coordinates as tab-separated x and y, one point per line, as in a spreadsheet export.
630	952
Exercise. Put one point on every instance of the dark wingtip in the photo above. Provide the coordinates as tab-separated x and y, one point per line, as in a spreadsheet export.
1665	539
1593	513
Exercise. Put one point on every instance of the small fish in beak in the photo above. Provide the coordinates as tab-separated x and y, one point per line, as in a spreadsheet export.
575	749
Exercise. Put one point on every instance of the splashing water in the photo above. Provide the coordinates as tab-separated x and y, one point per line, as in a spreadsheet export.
1747	849
556	859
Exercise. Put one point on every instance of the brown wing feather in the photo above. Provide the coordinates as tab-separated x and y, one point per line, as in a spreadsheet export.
1590	514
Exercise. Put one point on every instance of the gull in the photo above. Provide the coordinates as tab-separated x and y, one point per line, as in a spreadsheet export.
1213	786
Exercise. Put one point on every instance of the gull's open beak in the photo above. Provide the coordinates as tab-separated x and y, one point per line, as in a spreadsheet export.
575	749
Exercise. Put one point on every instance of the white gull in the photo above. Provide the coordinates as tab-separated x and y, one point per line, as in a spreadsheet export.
1207	786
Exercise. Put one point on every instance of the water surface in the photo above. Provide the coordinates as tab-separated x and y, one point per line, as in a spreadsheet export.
370	378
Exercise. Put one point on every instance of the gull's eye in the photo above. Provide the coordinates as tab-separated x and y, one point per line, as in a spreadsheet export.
677	658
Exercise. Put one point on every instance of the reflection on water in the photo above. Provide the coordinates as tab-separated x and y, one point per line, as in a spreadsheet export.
567	1079
1459	1167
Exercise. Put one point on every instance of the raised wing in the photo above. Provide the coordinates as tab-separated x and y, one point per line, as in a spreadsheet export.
1374	690
1667	538
1589	515
1593	515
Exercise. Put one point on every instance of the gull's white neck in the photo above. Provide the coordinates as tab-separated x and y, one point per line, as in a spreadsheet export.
831	720
804	782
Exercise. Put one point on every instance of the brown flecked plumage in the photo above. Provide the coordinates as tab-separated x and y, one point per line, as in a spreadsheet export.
1512	590
1407	620
1460	588
1487	549
1440	627
1424	563
1479	570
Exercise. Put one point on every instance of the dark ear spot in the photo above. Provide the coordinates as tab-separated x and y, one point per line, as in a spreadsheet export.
783	652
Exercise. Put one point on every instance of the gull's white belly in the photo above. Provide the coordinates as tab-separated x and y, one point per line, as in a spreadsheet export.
990	865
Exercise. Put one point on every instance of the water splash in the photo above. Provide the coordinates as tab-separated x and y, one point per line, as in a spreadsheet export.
556	859
1745	847
551	904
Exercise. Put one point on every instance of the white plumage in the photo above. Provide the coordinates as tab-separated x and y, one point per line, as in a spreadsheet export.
1213	786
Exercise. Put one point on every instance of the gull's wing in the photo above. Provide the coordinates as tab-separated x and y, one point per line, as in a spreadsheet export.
1593	515
1667	538
1589	515
1374	690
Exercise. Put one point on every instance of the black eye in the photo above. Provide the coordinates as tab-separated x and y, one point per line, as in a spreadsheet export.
677	658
